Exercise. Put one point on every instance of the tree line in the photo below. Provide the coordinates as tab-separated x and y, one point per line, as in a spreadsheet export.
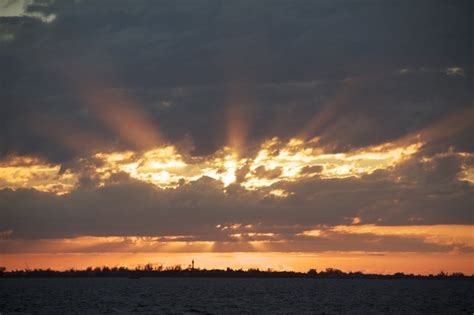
151	270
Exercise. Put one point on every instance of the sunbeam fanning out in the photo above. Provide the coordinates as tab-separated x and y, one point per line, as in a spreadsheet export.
115	108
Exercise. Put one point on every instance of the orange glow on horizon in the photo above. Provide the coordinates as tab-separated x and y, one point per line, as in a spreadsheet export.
247	248
382	263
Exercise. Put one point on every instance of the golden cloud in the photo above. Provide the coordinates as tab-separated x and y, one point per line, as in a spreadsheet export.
437	234
168	167
29	172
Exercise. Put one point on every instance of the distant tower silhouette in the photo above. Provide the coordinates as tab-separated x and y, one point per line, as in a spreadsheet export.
192	268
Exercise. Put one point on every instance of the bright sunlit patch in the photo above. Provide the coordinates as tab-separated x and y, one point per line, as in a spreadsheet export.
467	169
161	166
294	158
312	233
356	220
279	193
468	174
166	167
455	71
223	166
18	8
29	172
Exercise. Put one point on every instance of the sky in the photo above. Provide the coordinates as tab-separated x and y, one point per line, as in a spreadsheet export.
247	134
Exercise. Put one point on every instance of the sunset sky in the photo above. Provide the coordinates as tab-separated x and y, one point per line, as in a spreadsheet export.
271	134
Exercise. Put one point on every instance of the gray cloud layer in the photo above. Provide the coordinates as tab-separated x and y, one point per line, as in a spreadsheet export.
414	193
355	73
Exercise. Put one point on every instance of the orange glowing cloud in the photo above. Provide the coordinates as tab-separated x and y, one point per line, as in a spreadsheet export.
169	167
436	234
249	238
29	172
295	157
165	167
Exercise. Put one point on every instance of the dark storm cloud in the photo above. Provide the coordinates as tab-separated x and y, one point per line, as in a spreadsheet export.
353	72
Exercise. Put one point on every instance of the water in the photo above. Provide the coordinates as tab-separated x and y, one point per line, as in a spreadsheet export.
204	295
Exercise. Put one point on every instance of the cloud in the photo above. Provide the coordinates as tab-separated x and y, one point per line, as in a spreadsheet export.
228	78
346	238
417	191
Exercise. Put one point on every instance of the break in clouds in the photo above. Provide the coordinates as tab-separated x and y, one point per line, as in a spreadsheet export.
236	122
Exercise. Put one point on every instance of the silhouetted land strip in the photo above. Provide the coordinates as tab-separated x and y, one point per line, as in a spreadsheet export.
178	272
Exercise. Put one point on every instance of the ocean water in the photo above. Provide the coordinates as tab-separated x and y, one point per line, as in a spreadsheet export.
221	295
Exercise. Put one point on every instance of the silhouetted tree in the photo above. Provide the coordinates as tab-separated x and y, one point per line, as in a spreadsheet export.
148	267
174	268
149	270
457	274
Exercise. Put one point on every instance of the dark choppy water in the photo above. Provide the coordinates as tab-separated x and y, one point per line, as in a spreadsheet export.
193	295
